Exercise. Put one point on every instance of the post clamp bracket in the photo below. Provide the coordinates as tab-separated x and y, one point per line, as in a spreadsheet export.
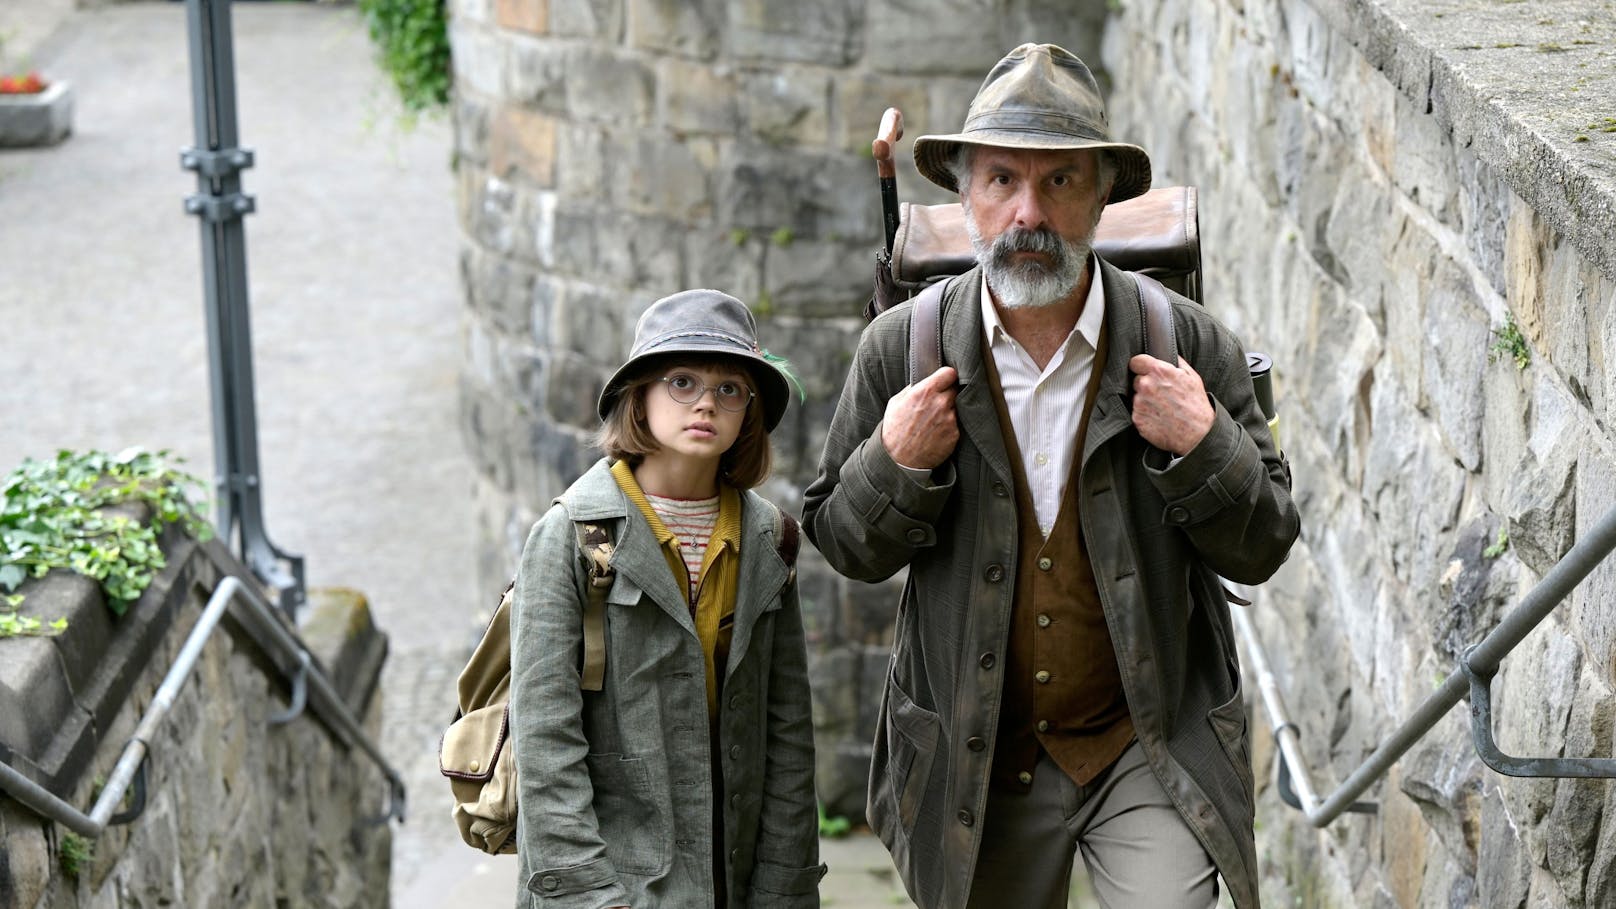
1481	730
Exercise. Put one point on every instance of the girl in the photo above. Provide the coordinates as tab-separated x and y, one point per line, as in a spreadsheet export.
687	781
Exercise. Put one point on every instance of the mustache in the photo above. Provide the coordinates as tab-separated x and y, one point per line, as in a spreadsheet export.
1041	241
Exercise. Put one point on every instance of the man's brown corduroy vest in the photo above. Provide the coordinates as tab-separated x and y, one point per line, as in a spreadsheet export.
1062	689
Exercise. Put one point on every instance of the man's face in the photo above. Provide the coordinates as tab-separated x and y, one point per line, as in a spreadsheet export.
1031	217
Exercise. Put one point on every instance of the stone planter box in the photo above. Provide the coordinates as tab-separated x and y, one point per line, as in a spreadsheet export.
42	118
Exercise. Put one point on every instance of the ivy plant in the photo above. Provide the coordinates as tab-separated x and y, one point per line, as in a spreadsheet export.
53	516
412	37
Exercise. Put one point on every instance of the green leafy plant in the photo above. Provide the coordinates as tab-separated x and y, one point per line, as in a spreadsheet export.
1499	546
52	517
413	38
74	854
1509	342
833	826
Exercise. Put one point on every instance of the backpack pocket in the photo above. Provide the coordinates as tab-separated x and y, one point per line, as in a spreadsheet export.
475	755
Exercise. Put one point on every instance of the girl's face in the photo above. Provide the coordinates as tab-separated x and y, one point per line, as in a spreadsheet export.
687	409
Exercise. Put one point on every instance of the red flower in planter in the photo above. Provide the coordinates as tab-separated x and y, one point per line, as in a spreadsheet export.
30	84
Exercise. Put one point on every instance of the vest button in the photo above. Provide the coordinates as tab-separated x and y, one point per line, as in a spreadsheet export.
995	573
987	660
1046	563
1042	676
966	817
1025	778
975	743
1043	725
1043	621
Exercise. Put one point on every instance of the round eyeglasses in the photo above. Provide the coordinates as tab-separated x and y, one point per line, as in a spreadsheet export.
685	388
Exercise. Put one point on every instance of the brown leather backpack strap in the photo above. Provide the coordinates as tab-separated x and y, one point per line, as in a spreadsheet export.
1156	319
595	541
787	540
926	332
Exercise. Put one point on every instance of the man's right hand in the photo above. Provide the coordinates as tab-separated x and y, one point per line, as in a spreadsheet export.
919	429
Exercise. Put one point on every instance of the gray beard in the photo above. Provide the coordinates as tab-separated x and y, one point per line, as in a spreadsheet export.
1027	283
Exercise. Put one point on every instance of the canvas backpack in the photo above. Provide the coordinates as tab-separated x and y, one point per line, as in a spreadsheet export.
1155	237
475	751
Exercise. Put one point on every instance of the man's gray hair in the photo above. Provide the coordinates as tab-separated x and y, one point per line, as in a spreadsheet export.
959	165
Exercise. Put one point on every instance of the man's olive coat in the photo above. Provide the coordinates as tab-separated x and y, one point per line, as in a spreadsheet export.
1159	538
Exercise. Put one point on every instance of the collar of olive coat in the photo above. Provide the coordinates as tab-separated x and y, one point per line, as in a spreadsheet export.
1159	539
716	585
639	558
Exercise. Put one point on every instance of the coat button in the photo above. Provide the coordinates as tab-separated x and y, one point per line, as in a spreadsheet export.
988	660
1046	563
1178	514
1043	725
1043	621
975	743
994	573
735	702
734	854
1025	778
966	817
916	535
735	800
476	766
550	882
999	490
734	752
1042	676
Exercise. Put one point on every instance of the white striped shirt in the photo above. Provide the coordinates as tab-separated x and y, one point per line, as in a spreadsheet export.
692	522
1046	406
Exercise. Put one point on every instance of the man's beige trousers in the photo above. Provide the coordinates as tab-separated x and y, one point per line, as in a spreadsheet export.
1138	851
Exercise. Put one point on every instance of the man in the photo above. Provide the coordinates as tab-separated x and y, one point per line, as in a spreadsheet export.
1064	674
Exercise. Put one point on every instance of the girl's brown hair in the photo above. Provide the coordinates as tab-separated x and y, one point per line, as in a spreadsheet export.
625	434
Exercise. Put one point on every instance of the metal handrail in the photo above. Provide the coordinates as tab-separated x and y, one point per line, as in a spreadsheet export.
1483	660
321	695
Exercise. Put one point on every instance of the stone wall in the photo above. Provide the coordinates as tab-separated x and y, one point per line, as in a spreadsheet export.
238	812
1390	189
1385	188
611	152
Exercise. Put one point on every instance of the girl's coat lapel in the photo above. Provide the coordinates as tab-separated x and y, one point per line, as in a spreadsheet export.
763	574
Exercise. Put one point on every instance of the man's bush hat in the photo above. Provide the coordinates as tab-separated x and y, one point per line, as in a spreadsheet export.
1038	97
700	324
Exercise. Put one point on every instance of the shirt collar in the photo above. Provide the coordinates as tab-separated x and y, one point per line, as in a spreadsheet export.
1088	324
726	531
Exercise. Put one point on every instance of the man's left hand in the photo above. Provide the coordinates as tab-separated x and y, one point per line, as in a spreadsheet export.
1170	406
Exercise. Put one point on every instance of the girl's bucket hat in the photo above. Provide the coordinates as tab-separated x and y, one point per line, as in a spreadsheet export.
702	323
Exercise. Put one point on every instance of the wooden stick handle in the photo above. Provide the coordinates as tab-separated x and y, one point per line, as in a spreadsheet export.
886	142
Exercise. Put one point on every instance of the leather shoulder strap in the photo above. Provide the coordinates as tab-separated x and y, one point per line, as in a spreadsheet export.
595	542
787	539
1156	319
926	332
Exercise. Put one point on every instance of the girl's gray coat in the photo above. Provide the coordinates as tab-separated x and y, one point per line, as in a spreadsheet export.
616	787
